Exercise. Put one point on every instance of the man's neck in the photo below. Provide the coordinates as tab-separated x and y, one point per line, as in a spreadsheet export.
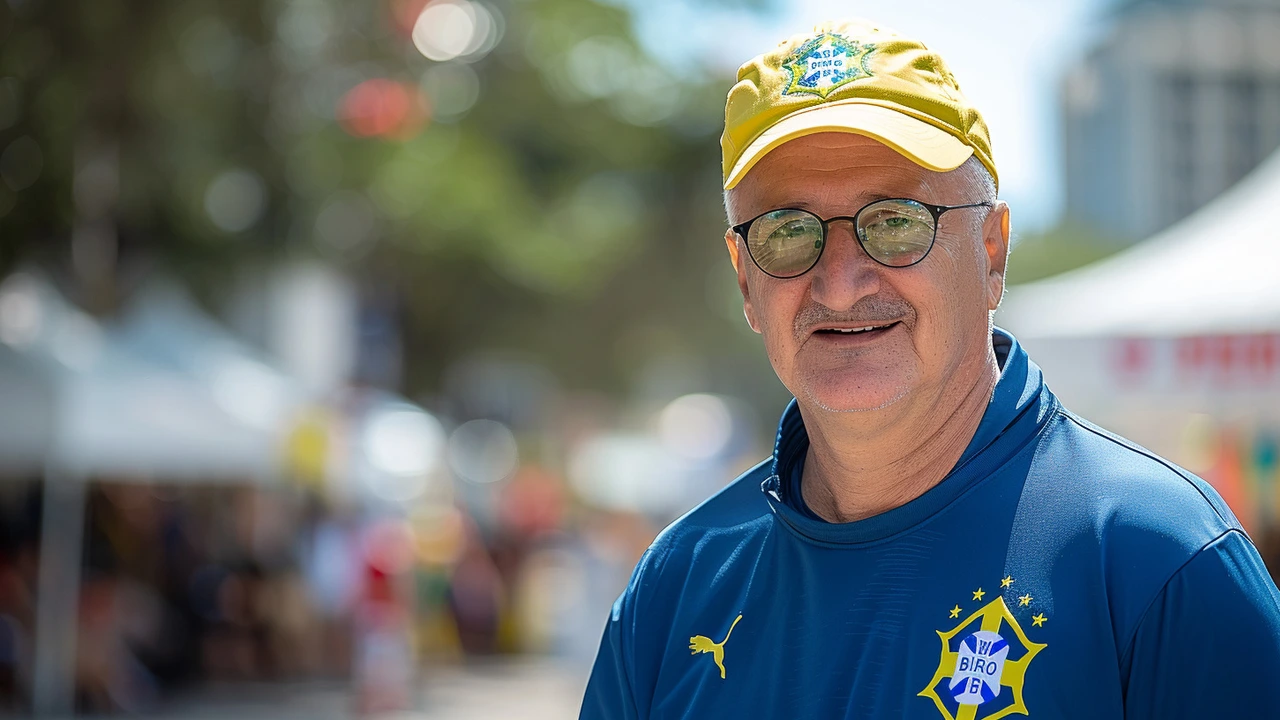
858	465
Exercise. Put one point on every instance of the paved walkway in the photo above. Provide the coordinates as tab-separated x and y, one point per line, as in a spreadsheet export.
489	690
530	691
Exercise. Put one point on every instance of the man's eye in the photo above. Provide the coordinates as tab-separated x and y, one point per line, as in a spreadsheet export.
790	231
898	222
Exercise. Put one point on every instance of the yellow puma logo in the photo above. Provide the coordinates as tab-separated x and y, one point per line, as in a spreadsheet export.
703	644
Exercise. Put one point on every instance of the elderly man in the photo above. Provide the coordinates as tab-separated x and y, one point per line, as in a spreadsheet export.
935	535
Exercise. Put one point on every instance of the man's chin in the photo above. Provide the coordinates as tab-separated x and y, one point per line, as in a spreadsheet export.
851	400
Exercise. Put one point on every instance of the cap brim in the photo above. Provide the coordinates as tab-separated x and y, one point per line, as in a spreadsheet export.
918	141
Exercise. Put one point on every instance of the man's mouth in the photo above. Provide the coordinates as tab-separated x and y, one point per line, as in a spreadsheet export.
855	330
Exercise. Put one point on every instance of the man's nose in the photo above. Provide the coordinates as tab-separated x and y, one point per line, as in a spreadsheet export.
845	274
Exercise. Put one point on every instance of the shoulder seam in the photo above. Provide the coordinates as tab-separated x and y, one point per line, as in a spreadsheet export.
1089	427
1133	636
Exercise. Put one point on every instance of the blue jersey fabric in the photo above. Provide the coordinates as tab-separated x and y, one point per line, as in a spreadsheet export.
1057	571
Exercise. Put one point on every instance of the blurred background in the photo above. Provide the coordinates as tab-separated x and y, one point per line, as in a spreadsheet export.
351	353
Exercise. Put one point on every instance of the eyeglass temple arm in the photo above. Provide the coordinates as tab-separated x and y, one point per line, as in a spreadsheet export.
938	210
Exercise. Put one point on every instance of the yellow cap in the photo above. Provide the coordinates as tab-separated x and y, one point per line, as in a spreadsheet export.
855	77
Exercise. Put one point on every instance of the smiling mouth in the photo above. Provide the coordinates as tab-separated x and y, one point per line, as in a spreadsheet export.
864	330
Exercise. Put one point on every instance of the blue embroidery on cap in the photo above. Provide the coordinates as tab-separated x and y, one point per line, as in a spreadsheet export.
825	63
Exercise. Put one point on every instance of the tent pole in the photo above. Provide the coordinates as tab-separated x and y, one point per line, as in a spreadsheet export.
58	594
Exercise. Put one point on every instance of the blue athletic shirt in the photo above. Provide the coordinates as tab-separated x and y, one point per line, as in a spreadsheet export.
1058	571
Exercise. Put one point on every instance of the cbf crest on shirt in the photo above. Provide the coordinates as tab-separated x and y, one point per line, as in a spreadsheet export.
985	658
825	63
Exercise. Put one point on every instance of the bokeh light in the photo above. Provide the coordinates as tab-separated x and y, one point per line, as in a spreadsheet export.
304	26
452	89
20	311
403	441
441	531
235	200
382	108
483	451
347	224
601	65
210	48
622	471
456	29
698	426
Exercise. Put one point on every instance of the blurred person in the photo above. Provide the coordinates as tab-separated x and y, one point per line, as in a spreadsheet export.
292	623
332	567
234	646
16	614
934	535
385	668
476	595
17	620
109	676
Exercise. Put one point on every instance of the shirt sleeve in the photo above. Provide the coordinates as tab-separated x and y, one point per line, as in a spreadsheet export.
609	693
1209	644
611	690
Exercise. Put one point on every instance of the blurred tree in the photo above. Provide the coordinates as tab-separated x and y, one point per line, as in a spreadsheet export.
541	186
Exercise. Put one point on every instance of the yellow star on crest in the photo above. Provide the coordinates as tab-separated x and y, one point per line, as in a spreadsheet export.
1025	600
955	611
1038	619
977	594
1006	582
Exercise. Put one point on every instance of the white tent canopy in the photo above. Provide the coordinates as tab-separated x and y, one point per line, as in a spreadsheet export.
165	326
1185	323
84	403
1217	272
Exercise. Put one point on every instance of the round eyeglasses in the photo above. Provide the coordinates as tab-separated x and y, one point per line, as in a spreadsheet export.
898	232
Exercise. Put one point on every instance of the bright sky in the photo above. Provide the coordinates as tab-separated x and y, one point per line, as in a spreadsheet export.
1008	55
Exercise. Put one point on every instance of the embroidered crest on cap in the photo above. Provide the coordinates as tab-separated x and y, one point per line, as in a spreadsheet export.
825	63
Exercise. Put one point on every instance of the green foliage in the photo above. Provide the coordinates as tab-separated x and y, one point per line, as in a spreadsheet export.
574	206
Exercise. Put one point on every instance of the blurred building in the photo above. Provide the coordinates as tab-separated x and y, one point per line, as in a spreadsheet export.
1178	101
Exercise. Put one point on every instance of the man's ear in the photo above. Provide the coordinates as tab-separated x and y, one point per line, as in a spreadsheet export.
995	240
738	256
731	242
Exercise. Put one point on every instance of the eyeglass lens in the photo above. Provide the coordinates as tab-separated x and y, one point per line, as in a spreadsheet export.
786	243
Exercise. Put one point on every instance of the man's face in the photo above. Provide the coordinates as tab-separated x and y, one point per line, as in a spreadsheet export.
937	311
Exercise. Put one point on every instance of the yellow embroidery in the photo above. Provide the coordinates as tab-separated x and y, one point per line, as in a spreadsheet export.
1007	581
977	594
703	644
955	611
1025	600
1038	619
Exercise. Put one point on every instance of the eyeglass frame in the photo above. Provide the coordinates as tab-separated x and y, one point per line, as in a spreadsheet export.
937	211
